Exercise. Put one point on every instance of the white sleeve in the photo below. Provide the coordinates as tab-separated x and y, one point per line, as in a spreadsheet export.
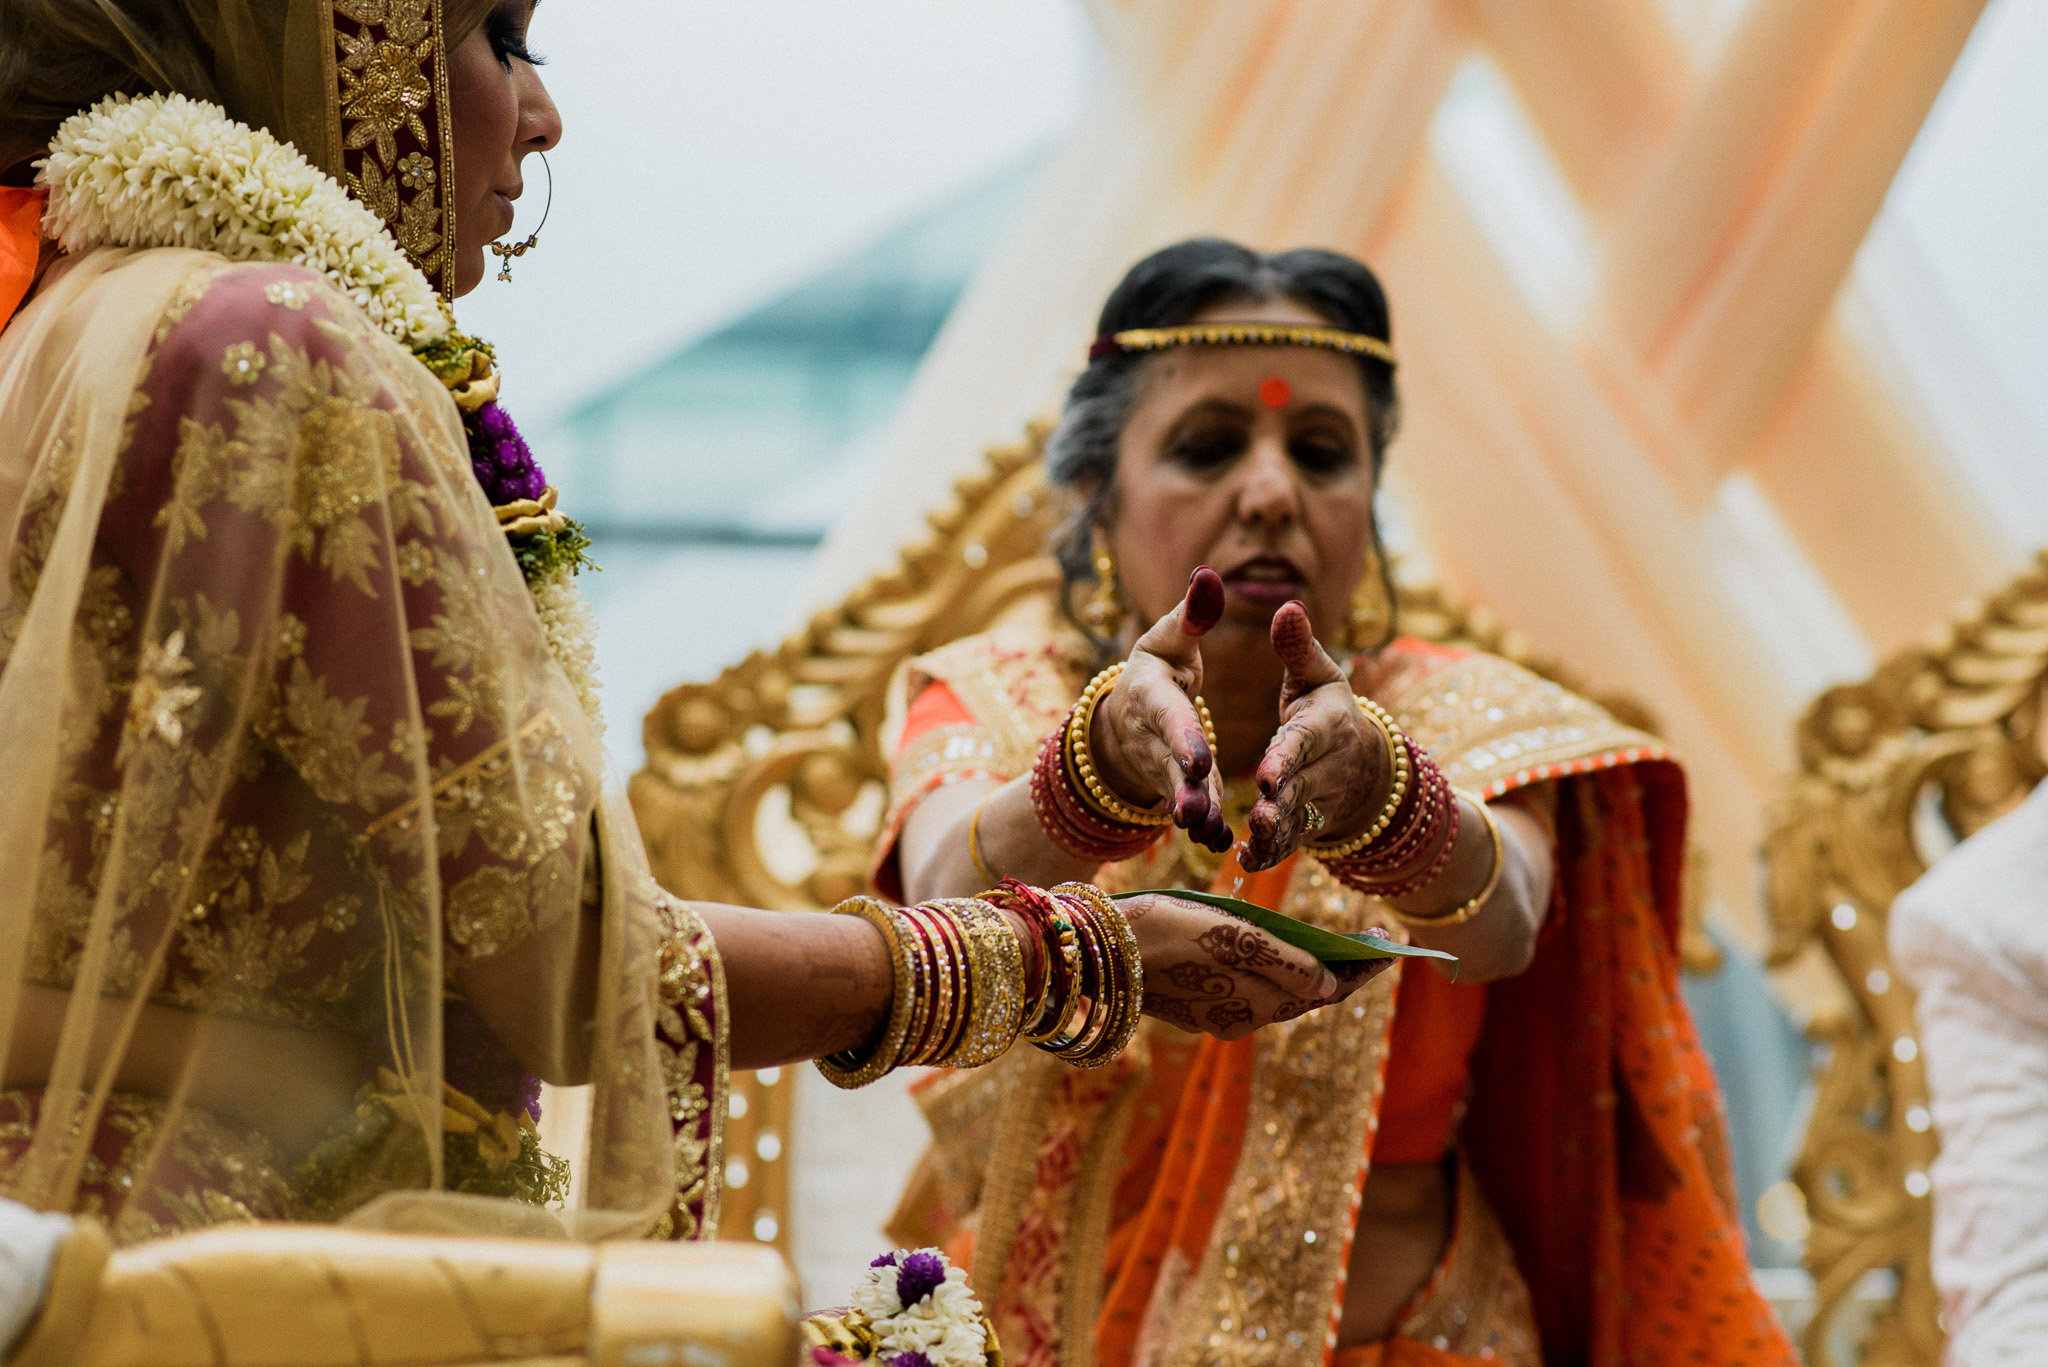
28	1245
1972	938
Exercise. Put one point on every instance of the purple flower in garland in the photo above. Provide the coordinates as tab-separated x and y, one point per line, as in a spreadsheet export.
503	463
912	1359
917	1276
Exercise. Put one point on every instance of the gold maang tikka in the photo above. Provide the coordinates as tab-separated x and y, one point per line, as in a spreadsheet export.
505	253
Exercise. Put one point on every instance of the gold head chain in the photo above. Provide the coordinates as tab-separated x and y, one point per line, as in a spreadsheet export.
1243	334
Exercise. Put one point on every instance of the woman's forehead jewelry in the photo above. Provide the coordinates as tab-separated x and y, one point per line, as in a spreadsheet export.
500	250
1274	392
1243	334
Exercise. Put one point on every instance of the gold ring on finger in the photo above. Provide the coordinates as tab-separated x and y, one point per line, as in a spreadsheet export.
1312	818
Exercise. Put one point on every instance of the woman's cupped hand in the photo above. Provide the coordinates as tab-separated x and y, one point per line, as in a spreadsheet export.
1207	971
1147	735
1325	772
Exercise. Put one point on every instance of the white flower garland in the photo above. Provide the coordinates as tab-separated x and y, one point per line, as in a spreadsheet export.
169	171
945	1324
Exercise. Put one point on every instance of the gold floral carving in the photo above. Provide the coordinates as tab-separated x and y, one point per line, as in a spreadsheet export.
1942	739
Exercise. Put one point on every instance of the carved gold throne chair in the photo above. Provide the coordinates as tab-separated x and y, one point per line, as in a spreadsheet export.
1942	739
766	785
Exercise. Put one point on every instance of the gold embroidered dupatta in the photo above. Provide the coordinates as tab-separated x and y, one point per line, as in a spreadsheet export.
288	761
1030	1155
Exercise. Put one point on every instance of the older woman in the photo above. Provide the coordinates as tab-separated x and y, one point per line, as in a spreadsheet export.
1524	1166
310	873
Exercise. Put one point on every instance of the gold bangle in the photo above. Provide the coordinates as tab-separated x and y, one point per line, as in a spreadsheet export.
995	964
1081	757
1123	986
988	879
1397	754
1465	911
851	1069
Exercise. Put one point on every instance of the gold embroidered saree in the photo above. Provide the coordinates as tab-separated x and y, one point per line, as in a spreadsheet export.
1593	1135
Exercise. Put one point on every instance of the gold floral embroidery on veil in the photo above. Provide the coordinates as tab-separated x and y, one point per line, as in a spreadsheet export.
390	81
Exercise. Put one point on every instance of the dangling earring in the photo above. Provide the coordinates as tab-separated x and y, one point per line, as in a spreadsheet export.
1104	612
505	253
1365	624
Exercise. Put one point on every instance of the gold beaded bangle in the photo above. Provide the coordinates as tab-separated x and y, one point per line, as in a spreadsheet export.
1397	753
988	879
1465	911
1093	791
852	1069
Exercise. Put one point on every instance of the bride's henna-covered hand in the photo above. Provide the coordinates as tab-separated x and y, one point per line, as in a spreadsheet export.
1147	737
1208	971
1326	752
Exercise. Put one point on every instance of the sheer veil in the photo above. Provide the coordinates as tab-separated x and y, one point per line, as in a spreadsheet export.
288	767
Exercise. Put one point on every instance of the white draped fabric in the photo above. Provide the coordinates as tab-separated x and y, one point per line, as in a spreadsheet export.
1972	938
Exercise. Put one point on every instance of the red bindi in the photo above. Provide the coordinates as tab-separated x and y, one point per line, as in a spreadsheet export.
1274	392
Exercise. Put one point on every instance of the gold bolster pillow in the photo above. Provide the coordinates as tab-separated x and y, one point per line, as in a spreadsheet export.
324	1296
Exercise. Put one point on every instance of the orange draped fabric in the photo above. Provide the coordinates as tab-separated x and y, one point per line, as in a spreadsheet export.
21	242
1596	1127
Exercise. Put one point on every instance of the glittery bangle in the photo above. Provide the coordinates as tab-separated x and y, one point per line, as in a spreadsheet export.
1475	904
1116	983
924	987
995	960
1084	1006
857	1068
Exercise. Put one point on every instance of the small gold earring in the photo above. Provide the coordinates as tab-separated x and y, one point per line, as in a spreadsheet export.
1365	624
1104	612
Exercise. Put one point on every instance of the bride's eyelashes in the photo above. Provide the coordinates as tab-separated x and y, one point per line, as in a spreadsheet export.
507	31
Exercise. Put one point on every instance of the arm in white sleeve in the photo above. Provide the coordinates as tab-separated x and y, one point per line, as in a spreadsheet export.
1972	938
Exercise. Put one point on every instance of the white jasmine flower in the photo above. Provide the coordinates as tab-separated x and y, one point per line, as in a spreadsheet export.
167	171
571	631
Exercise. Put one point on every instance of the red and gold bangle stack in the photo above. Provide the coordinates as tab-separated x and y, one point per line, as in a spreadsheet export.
959	988
1084	990
1409	844
966	989
1075	808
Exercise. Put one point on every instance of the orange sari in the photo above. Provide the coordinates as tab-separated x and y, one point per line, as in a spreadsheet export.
1594	1143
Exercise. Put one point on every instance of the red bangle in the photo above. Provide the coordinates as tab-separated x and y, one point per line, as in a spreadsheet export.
1418	845
1067	822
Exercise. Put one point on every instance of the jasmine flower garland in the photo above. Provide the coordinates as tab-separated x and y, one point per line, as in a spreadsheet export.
168	171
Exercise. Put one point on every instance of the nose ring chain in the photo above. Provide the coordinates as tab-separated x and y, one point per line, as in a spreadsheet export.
505	253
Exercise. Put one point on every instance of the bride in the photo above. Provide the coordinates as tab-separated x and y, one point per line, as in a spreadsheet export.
311	871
